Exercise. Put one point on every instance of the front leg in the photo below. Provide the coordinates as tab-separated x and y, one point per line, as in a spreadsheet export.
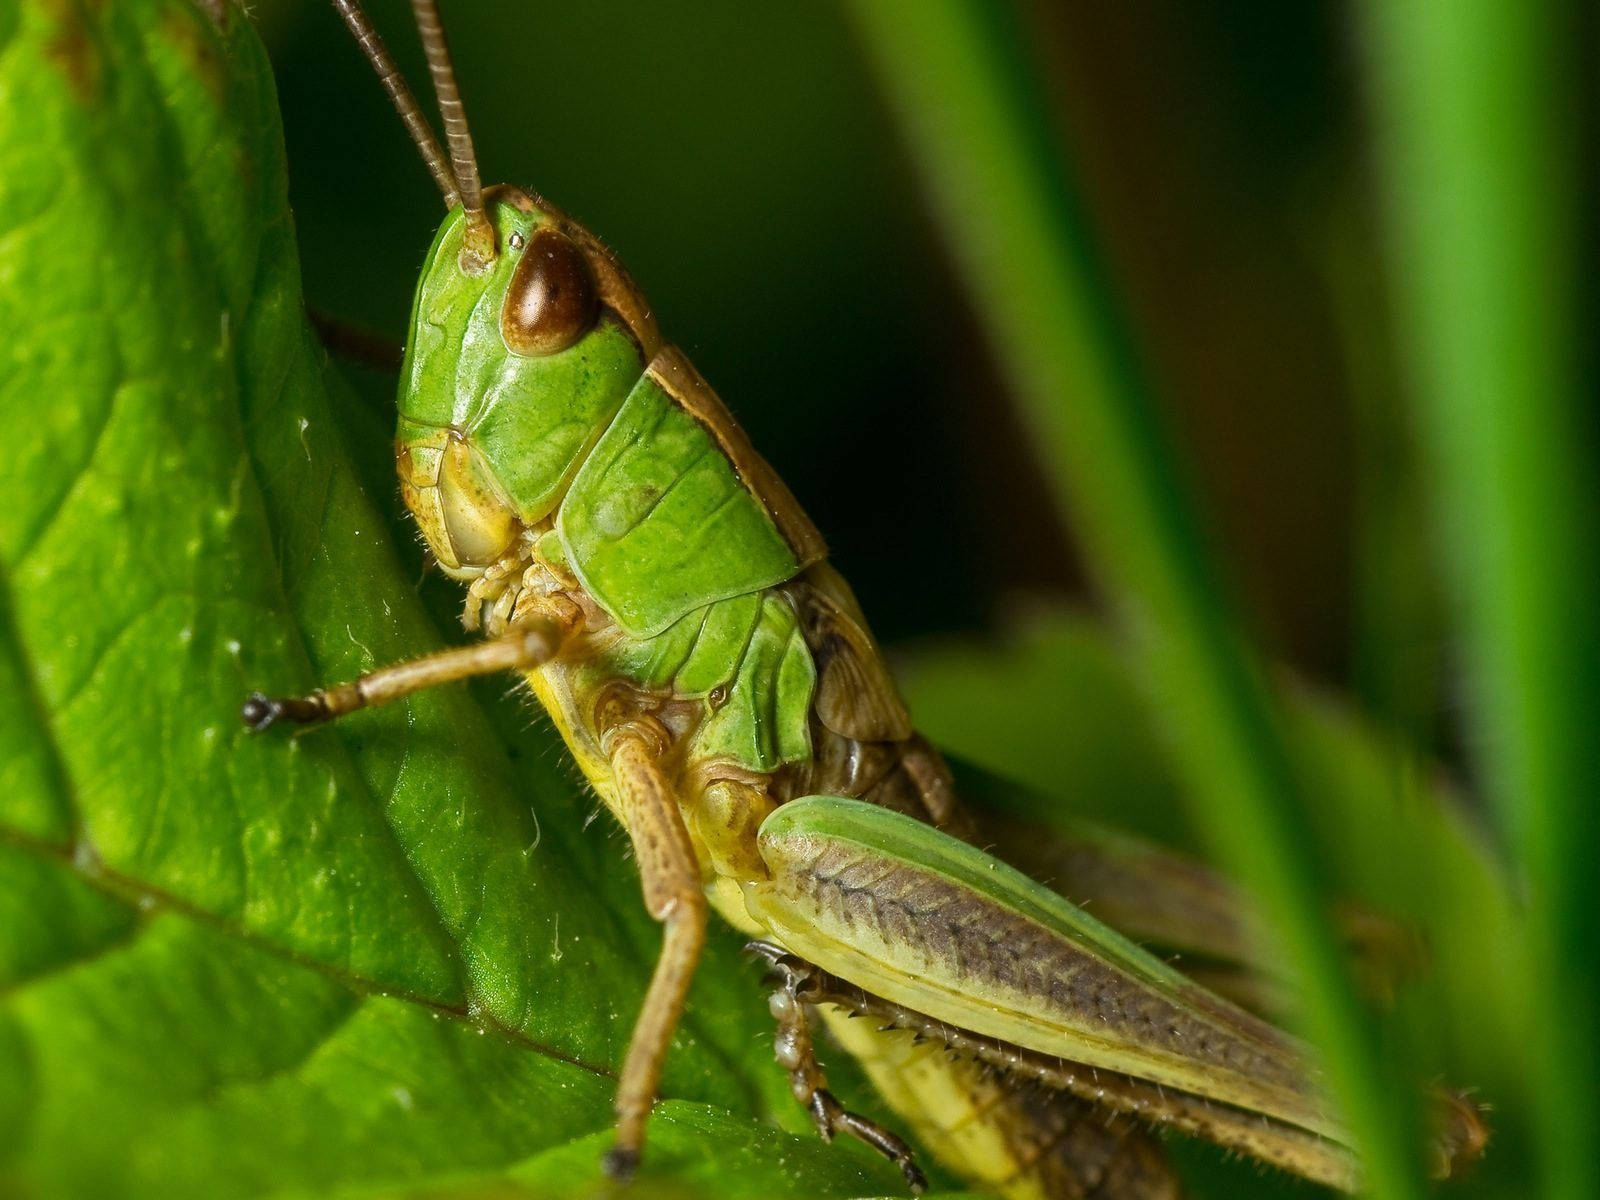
532	643
674	896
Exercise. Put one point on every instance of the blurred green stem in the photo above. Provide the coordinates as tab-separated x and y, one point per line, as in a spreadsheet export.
959	84
1397	669
1476	101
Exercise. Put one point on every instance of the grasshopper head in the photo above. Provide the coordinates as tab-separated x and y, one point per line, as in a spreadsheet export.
513	368
525	338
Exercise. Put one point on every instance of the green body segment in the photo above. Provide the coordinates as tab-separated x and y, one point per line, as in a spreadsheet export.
924	920
765	720
658	523
530	420
746	658
724	630
691	657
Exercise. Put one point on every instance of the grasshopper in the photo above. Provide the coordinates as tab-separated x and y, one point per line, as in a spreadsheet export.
629	554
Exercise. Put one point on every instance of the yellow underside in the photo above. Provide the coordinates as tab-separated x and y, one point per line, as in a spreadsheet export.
948	1105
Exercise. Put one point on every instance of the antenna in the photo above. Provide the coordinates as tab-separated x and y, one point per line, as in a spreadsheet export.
404	102
479	237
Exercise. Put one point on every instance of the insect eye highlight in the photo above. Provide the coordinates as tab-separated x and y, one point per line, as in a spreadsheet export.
551	301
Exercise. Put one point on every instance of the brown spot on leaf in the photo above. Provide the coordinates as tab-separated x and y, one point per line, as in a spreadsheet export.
71	49
196	41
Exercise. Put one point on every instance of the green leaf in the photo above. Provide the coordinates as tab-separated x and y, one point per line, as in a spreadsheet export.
384	956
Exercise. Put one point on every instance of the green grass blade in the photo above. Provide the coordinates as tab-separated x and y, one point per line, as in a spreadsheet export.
956	82
1475	102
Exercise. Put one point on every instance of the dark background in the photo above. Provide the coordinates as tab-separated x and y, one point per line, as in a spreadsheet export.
738	158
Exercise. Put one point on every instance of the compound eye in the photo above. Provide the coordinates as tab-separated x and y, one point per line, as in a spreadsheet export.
551	301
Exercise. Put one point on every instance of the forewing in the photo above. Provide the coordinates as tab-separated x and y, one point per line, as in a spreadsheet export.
934	924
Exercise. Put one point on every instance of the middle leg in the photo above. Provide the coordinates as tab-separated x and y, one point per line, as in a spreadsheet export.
673	895
796	1053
